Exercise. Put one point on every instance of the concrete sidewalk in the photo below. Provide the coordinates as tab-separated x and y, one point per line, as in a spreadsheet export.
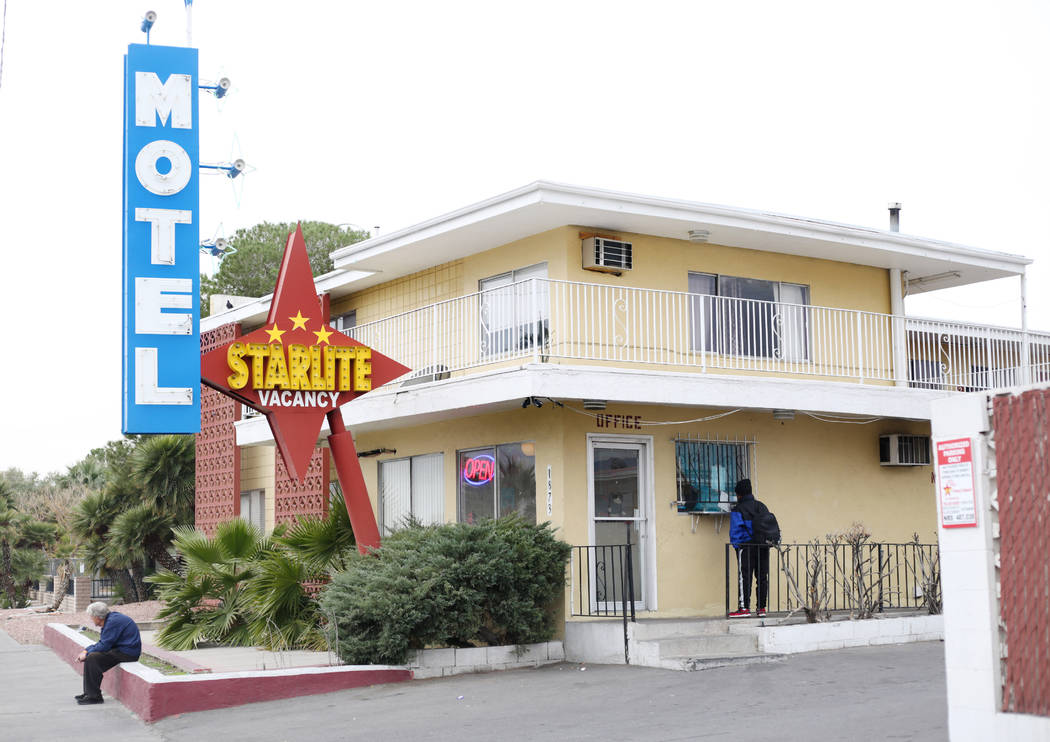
36	702
871	693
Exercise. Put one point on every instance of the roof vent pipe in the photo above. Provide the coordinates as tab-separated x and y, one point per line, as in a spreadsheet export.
895	217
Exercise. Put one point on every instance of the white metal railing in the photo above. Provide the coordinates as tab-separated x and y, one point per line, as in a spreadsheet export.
545	319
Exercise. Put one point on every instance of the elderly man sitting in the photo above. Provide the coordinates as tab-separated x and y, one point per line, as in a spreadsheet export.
119	642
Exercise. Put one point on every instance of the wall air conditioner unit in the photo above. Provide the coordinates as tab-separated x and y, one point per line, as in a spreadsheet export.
899	449
606	255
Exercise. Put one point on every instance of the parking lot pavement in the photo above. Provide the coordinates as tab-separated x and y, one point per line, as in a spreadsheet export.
891	692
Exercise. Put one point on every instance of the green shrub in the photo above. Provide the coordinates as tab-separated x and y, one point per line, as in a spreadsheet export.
495	582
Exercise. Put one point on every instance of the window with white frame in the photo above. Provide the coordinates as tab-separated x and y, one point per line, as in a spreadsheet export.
253	508
750	316
411	489
497	481
515	312
708	470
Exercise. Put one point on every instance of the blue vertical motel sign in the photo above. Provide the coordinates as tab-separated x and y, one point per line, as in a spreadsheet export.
161	389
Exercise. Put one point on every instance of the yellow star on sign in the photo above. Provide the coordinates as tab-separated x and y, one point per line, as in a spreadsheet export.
275	334
322	334
299	321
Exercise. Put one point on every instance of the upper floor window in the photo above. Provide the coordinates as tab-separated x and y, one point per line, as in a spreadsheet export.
344	322
515	312
750	317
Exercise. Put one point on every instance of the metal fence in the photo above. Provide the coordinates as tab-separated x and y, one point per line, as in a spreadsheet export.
841	576
51	585
602	583
103	588
546	319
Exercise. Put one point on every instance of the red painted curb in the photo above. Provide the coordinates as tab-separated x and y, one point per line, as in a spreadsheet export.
153	696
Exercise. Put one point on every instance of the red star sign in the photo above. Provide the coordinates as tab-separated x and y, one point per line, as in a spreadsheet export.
296	368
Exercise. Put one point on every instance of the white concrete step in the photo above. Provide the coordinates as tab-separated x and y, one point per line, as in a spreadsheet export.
647	629
710	645
691	645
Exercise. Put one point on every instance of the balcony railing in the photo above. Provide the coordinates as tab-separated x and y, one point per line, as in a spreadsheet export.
545	319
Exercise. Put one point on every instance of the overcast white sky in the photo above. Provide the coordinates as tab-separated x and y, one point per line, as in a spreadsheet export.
388	113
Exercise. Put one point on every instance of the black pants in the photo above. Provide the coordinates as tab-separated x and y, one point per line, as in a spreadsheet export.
753	564
97	663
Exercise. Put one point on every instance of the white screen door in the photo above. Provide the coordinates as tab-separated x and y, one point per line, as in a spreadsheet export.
619	502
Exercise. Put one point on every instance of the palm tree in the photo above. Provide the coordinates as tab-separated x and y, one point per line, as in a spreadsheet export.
208	603
164	467
91	521
22	540
322	544
144	532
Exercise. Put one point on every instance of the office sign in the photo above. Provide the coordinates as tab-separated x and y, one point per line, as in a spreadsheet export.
955	483
161	348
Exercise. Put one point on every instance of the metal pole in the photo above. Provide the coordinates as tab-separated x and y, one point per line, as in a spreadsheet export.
348	469
727	579
1026	371
630	569
898	331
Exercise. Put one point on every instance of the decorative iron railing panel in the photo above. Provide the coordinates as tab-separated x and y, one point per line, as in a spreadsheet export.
836	577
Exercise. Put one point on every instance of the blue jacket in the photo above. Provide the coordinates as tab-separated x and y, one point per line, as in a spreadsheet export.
742	520
120	633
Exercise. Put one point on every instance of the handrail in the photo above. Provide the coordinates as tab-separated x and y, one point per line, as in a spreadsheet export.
553	319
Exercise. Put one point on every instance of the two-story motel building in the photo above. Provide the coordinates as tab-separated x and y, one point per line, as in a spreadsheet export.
608	361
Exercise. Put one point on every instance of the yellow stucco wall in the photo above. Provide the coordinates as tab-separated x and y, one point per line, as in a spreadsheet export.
403	294
664	264
817	477
257	472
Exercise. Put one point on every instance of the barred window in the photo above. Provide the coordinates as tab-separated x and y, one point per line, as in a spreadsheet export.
708	470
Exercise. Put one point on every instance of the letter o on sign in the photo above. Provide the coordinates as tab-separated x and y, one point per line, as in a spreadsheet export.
154	181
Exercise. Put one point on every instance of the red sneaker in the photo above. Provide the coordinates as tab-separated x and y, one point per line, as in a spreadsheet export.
761	612
741	613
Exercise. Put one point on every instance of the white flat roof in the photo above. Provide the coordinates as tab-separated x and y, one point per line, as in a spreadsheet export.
542	205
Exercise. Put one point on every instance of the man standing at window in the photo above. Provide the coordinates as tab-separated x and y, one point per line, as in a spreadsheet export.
119	642
752	553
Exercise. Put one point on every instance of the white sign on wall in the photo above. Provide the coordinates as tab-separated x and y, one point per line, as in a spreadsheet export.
955	483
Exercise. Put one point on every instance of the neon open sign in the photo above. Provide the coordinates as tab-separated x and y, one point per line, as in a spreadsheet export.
479	470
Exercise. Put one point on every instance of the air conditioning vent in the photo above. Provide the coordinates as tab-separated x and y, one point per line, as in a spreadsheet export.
899	449
606	255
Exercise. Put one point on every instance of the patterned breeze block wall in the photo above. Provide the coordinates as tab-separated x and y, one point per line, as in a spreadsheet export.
1023	483
218	459
309	498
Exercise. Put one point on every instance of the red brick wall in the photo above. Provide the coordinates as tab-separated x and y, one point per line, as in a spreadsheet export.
309	498
218	493
1023	483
